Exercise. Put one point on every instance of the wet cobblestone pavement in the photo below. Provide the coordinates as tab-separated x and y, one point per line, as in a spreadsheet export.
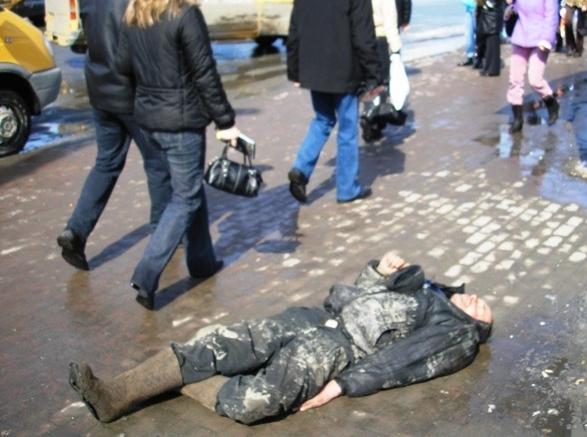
453	191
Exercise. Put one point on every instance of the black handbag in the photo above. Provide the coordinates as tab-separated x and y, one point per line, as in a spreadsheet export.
240	179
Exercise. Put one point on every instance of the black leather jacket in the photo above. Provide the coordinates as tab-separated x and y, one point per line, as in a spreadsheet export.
177	84
331	46
108	90
489	17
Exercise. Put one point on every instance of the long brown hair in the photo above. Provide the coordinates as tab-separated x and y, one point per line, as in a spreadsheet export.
145	13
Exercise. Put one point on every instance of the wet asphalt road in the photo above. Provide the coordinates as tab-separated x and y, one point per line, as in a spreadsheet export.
453	191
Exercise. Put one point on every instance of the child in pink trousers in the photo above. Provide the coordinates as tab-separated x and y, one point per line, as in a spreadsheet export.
532	40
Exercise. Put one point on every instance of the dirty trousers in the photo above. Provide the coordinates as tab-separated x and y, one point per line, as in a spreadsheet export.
275	364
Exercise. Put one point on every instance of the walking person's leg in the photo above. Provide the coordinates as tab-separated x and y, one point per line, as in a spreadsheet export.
112	140
580	29
184	151
199	251
492	56
347	154
469	37
569	31
536	67
515	94
309	152
156	170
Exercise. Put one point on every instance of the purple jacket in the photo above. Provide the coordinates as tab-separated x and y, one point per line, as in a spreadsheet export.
537	21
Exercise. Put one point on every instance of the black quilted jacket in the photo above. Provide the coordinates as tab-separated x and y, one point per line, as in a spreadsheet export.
177	84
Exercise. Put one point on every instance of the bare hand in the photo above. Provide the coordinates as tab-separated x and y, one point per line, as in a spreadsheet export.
371	94
296	84
330	391
545	46
390	263
229	135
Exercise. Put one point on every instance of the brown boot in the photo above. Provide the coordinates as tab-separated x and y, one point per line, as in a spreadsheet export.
109	400
206	391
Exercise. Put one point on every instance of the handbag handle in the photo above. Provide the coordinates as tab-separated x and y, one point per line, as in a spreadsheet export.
247	160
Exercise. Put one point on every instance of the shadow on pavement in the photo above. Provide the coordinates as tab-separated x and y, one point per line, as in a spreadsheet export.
117	248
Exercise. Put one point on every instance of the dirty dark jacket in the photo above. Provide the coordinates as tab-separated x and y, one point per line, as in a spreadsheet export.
402	330
108	89
489	17
177	84
331	46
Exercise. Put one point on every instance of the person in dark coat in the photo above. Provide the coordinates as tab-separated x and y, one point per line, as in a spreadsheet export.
178	93
489	25
112	98
390	328
331	50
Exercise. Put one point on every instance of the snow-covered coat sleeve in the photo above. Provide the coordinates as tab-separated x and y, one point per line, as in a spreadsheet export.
407	280
428	352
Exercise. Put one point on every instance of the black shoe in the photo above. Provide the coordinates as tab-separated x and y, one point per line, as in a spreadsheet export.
297	185
518	121
363	194
477	63
488	74
72	249
145	298
218	265
465	62
552	107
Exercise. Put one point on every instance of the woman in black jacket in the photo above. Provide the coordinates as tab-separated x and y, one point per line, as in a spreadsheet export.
489	24
165	47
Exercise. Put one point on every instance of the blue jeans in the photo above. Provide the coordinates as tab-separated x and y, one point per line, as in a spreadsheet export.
327	107
113	135
470	26
185	217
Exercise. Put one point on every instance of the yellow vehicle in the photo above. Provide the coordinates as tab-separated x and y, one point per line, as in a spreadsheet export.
29	79
261	20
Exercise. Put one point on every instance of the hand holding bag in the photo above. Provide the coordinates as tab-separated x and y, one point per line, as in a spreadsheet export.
240	179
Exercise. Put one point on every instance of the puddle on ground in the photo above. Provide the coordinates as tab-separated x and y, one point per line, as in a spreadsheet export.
557	154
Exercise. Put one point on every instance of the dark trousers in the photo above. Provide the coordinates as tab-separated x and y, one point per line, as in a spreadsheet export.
489	49
113	136
574	40
275	364
185	216
383	54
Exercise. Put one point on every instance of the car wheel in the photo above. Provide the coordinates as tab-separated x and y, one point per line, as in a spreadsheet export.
15	123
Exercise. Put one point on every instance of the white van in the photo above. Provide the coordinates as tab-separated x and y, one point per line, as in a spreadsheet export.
261	20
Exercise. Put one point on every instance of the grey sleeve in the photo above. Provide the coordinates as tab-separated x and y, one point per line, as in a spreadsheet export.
369	275
427	353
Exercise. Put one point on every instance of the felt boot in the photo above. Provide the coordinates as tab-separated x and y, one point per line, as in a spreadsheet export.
206	391
109	400
518	121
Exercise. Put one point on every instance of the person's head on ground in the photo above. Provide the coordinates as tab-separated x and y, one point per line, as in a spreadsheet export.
473	306
145	13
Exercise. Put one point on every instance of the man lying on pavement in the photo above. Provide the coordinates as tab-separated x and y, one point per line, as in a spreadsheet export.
390	328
